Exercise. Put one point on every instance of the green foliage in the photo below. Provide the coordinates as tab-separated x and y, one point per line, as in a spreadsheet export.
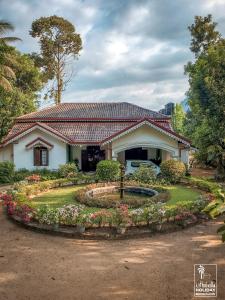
178	118
68	170
221	231
172	170
206	120
22	98
59	43
45	174
108	170
6	71
144	174
203	34
7	170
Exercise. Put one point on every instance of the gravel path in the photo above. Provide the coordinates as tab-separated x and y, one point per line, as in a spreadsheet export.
37	266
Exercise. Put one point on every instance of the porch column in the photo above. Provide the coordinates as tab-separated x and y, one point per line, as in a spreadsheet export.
108	151
165	155
114	155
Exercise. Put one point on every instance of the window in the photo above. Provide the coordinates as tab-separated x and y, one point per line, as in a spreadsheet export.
40	156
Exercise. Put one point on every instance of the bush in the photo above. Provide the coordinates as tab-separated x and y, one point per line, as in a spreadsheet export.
44	174
68	170
172	170
108	170
7	170
144	174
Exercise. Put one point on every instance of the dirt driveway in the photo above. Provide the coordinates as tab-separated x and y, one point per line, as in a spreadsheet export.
37	266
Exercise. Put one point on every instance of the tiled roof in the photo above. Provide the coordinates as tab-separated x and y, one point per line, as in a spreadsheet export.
83	132
78	132
86	123
87	111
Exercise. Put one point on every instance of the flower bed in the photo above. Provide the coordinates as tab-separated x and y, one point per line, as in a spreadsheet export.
90	195
152	216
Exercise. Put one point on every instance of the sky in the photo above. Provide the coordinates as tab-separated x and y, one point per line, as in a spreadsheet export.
133	50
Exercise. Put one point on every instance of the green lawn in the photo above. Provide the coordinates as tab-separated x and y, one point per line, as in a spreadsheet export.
180	193
62	196
59	197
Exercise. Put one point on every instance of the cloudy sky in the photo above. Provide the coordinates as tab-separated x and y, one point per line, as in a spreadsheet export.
133	50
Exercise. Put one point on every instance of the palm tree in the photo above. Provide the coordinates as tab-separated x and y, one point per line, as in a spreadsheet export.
6	72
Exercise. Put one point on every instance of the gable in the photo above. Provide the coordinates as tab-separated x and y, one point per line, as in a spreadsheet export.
166	134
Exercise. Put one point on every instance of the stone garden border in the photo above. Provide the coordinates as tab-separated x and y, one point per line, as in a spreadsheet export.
107	232
104	233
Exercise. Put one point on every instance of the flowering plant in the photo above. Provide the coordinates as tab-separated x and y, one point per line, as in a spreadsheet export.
101	217
121	216
47	215
25	212
183	217
137	215
154	213
68	214
83	219
33	178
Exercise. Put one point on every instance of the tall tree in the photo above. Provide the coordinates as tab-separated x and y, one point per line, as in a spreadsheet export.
59	43
207	96
6	60
178	118
203	34
23	96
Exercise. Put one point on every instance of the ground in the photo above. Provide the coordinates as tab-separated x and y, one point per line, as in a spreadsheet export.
38	266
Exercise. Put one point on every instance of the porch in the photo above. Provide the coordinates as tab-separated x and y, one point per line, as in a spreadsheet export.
87	156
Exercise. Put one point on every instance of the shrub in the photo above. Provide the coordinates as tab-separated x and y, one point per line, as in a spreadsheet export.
68	214
108	170
173	170
7	170
121	216
33	178
68	170
145	174
46	215
101	217
21	174
44	174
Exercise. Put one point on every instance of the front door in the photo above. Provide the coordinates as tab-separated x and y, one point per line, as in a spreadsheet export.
90	157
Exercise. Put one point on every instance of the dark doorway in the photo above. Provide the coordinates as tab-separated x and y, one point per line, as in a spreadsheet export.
136	153
90	157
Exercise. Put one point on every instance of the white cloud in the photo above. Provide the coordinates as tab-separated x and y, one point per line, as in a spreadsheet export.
132	50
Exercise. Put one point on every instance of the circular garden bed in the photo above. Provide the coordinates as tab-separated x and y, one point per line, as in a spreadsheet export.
84	210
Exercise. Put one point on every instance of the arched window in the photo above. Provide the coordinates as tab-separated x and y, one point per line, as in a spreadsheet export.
40	156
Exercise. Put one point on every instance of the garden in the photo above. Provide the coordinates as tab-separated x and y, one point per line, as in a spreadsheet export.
68	202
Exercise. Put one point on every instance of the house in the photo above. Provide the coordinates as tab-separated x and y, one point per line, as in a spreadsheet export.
89	132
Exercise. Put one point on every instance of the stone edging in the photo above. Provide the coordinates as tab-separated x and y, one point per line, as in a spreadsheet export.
102	233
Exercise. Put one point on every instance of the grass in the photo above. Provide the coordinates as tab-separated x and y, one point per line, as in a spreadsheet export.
64	196
59	197
179	194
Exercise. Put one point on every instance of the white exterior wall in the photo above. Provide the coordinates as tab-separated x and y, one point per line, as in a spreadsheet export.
24	158
76	153
145	136
185	156
6	153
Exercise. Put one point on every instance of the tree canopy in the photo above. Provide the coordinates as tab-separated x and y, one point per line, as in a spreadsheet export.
23	96
59	42
178	118
206	121
6	60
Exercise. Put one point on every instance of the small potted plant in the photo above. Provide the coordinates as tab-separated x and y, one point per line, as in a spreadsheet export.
121	218
81	222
